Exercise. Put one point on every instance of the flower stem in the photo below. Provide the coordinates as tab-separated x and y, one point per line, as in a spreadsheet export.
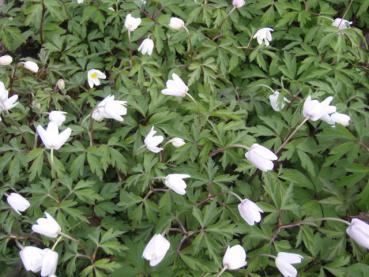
68	236
222	271
235	195
56	243
191	97
291	135
91	130
267	255
130	49
334	219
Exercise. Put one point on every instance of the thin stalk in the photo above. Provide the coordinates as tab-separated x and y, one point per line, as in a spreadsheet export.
191	97
222	271
56	243
267	255
292	134
42	22
68	236
235	195
91	130
266	86
346	11
130	49
334	219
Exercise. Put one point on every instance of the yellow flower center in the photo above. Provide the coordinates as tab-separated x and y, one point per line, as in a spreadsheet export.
94	75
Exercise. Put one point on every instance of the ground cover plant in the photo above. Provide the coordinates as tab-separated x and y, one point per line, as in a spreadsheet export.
184	138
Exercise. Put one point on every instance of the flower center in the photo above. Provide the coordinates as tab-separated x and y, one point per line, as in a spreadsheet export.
94	75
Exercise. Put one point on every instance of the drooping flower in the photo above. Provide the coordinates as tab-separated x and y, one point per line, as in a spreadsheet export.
261	157
176	23
264	36
32	258
131	23
146	47
47	226
51	137
156	249
6	60
49	263
151	141
238	3
315	110
249	211
234	257
17	202
6	102
341	23
359	232
175	87
177	142
276	102
110	108
176	183
335	118
58	117
60	84
284	262
31	66
94	76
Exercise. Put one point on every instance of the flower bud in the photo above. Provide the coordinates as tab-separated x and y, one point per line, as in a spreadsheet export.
177	142
31	66
249	211
60	84
261	157
176	23
49	262
156	249
31	258
6	60
17	202
146	47
176	183
47	226
238	3
234	257
359	232
284	262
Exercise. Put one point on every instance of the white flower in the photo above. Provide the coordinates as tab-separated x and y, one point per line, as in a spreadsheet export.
175	87
261	157
264	36
58	117
284	262
60	84
32	258
335	118
238	3
177	142
6	60
146	47
131	23
249	211
277	103
47	226
6	103
49	262
359	232
110	108
156	249
151	141
176	183
80	1
341	23
17	202
176	23
51	137
94	76
235	257
31	66
315	110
